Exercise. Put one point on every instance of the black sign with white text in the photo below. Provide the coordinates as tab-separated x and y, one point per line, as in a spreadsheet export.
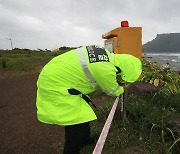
97	54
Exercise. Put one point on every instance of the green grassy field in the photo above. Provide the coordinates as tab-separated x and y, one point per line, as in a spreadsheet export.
152	122
23	61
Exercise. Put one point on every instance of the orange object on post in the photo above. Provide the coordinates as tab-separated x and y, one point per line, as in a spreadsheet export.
124	40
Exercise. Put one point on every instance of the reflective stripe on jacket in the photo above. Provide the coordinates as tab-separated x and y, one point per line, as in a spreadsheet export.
100	69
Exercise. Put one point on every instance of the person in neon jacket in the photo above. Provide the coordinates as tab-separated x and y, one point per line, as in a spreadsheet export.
65	81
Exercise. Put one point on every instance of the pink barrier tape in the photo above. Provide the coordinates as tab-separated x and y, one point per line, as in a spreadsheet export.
100	143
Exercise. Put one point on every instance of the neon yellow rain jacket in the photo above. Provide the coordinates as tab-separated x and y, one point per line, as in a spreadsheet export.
84	69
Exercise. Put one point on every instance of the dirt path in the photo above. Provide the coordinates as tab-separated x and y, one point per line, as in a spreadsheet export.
20	131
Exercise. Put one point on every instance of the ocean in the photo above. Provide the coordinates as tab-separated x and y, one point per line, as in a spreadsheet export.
163	58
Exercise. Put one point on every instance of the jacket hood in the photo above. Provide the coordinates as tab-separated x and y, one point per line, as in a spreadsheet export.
131	67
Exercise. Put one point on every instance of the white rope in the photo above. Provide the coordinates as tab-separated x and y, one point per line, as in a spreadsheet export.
100	143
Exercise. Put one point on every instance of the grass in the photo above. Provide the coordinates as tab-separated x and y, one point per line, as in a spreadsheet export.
23	61
147	128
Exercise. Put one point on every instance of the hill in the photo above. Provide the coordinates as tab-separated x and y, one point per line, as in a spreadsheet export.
163	43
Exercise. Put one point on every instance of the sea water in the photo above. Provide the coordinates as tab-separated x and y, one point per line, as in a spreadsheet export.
173	59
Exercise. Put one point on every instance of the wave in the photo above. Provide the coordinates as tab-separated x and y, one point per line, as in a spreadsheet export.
163	54
163	58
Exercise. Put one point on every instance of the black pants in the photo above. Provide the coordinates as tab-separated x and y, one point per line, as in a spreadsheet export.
76	136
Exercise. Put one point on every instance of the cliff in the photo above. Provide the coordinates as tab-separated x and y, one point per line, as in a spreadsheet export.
163	43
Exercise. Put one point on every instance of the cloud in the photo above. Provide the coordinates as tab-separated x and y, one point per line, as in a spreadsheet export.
48	24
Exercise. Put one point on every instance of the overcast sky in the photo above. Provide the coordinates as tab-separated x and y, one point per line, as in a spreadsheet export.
54	23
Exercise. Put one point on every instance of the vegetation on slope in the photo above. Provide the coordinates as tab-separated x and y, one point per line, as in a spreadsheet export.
152	122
